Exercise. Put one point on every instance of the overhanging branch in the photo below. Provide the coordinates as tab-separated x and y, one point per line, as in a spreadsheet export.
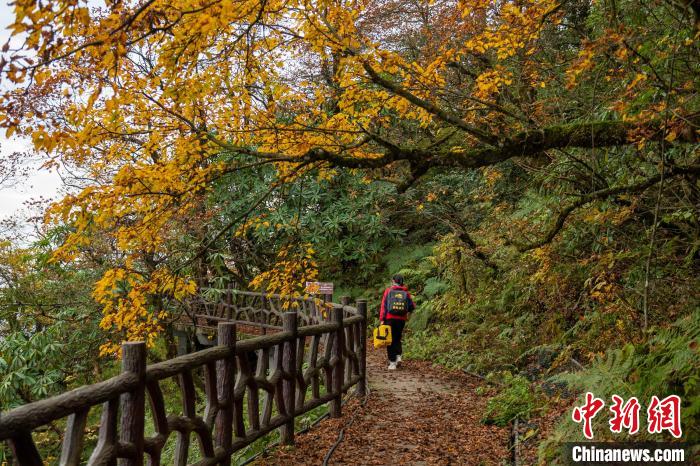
602	194
577	135
531	143
428	106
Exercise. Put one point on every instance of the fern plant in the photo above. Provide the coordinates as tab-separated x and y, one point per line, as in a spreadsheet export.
516	399
668	363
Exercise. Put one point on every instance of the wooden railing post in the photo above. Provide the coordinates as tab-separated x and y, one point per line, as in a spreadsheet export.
289	365
339	369
225	379
73	438
347	342
133	403
361	389
228	313
24	450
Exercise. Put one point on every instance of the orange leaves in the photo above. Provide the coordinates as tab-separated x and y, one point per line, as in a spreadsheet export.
144	97
42	140
604	287
257	223
129	307
638	78
330	26
140	209
583	62
489	83
151	195
543	257
145	86
295	265
517	26
492	175
92	99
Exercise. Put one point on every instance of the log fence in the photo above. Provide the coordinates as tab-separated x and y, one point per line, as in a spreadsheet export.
312	358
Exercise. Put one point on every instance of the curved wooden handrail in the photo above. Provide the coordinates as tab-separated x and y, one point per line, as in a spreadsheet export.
38	413
257	309
326	353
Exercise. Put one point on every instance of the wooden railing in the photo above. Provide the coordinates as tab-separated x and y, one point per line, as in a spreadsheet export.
255	313
296	370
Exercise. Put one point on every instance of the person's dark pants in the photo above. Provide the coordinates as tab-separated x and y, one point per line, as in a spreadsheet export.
394	349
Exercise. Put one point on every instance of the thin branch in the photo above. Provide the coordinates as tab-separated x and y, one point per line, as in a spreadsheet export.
429	106
237	219
602	194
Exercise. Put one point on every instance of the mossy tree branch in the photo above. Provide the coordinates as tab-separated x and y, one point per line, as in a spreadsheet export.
530	143
602	194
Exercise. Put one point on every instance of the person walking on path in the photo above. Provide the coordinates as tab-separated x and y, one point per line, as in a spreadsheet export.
397	304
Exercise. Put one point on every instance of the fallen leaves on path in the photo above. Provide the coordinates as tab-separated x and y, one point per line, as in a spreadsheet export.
420	414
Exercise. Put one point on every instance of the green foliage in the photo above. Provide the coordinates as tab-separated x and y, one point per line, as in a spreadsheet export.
49	326
49	331
29	366
482	304
404	257
433	287
668	363
429	345
608	375
515	399
346	220
578	298
421	317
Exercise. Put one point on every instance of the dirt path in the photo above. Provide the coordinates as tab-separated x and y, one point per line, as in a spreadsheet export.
417	415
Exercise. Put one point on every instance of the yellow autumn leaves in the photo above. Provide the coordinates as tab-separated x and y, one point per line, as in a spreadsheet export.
294	266
129	307
519	24
142	97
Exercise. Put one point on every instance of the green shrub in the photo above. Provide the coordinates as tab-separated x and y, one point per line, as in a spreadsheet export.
421	317
515	399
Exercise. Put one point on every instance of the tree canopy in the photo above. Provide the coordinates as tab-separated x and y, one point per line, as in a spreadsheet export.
153	103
